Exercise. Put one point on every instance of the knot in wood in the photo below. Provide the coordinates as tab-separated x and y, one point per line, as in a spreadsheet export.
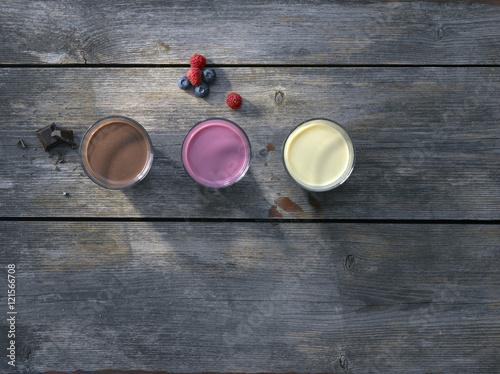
440	33
279	97
349	262
343	362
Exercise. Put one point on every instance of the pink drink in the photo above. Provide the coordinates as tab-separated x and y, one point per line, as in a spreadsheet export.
216	153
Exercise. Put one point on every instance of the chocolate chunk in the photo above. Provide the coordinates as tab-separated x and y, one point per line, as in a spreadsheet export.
46	138
63	135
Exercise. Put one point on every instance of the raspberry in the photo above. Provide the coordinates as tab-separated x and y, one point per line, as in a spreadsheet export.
233	100
194	76
198	61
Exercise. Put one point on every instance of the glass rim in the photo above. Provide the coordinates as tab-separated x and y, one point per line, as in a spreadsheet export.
250	154
144	172
346	173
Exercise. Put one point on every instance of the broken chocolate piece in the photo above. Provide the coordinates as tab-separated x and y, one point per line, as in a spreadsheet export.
21	145
64	135
46	138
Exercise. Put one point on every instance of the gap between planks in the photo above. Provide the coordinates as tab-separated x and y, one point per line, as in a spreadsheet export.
162	66
257	220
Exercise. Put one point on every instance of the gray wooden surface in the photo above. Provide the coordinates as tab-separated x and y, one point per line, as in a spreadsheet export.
393	272
262	32
427	140
256	297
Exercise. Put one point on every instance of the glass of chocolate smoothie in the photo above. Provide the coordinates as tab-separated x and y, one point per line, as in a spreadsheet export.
116	152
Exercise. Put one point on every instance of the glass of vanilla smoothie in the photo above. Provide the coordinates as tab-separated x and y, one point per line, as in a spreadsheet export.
319	155
116	152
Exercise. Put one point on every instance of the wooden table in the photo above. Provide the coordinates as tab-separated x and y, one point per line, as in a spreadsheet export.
395	271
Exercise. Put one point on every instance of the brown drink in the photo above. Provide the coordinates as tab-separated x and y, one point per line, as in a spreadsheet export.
116	152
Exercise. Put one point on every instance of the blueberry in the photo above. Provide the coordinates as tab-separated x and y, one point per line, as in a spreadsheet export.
183	83
202	90
208	75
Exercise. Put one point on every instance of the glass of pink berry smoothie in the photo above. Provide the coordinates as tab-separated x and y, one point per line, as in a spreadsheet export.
216	153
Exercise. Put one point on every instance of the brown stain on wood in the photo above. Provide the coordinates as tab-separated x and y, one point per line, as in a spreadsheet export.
273	212
270	147
288	205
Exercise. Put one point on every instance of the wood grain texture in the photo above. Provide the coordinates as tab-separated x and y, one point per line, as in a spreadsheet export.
253	297
228	32
427	141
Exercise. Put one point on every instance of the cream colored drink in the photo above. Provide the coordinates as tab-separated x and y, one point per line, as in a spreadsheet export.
319	155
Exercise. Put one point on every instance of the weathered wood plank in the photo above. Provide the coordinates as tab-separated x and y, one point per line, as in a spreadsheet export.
262	32
253	297
427	139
